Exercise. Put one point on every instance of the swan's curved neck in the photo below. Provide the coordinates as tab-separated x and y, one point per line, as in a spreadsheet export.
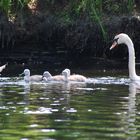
49	76
131	63
65	74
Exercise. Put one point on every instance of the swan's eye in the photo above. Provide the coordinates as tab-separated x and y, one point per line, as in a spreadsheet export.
115	40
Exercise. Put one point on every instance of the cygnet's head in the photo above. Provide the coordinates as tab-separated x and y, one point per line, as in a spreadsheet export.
66	72
46	74
26	72
121	38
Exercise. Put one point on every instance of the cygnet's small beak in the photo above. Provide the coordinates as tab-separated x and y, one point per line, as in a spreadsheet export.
21	74
113	45
45	79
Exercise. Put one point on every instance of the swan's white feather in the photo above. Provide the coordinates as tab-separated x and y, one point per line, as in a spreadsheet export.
125	39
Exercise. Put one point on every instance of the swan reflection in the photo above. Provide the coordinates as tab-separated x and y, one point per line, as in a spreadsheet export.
56	87
57	92
131	130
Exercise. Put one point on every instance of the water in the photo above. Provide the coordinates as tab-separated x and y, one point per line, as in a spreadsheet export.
104	108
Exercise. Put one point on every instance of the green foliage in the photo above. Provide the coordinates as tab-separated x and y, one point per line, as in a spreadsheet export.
76	8
130	5
117	7
10	7
90	8
67	11
95	10
7	5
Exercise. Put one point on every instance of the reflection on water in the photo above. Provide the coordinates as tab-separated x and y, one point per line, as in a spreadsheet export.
131	115
134	88
103	108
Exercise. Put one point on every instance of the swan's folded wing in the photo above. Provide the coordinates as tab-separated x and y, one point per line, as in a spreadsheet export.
36	78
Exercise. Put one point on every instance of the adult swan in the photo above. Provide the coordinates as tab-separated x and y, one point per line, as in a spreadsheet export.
125	39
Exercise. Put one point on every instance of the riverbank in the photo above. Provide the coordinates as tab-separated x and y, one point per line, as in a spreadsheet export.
47	40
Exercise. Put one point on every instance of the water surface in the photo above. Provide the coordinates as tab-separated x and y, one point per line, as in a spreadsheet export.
104	108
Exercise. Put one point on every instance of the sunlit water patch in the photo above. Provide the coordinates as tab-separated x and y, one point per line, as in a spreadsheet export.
109	80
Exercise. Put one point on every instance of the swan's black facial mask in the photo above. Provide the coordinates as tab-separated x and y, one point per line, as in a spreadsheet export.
114	44
116	40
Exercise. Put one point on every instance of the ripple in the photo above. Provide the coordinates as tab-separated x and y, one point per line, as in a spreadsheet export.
87	89
105	113
41	110
110	80
24	139
54	110
55	104
95	80
33	125
48	130
71	110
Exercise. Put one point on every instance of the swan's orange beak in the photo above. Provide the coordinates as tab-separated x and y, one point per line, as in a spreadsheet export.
113	45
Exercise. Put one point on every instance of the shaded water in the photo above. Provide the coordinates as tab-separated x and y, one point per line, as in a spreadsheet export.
104	108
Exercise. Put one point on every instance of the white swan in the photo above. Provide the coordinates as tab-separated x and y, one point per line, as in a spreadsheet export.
33	78
73	77
125	39
48	77
3	67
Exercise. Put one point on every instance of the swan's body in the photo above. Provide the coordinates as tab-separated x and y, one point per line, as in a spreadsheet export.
3	67
125	39
48	77
73	77
33	78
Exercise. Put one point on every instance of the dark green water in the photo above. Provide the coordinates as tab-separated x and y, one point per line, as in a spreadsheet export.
107	109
